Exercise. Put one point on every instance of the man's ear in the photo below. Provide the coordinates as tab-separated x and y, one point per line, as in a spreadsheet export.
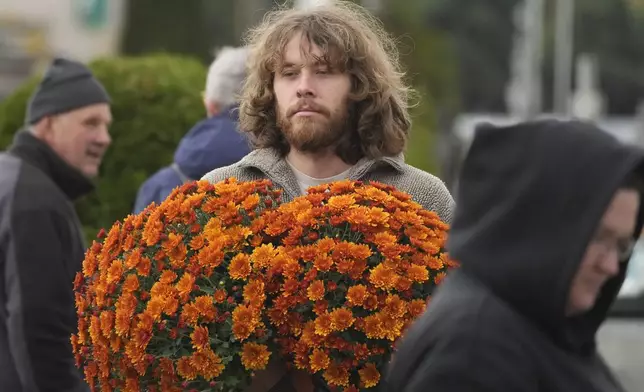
212	108
42	128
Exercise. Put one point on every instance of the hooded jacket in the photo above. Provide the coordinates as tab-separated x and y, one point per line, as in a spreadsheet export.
212	143
530	199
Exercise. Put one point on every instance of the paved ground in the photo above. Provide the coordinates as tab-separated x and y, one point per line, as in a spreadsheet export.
622	344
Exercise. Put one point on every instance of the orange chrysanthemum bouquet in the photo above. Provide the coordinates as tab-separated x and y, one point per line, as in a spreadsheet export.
354	266
200	292
169	301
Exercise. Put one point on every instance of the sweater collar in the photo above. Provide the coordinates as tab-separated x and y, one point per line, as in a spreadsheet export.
273	165
37	153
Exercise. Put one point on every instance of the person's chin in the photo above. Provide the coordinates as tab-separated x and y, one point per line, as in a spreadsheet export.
90	171
588	305
582	305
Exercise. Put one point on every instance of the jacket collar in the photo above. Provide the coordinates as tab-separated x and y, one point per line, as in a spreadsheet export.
273	165
37	153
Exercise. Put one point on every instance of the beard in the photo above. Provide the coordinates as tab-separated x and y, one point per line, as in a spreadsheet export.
315	133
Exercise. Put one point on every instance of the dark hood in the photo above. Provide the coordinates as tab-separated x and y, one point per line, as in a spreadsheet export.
530	197
212	143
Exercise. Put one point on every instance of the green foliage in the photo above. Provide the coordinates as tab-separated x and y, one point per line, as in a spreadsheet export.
421	147
146	28
13	110
430	63
156	100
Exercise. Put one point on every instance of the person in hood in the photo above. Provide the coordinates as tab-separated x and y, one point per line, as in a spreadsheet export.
546	218
212	143
50	164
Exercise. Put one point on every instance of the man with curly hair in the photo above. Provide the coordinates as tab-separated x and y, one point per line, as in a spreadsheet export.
324	100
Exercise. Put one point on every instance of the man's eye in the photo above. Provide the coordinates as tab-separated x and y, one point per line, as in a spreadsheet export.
92	123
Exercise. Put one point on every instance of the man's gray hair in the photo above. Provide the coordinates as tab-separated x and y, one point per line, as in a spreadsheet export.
226	76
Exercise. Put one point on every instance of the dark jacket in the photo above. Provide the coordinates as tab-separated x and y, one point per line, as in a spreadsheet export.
41	249
530	199
212	143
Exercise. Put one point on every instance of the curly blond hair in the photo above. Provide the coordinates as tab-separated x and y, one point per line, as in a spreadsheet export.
351	40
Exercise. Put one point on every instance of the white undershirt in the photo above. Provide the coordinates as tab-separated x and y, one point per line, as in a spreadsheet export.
306	181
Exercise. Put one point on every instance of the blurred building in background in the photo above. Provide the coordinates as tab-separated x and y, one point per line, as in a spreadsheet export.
33	31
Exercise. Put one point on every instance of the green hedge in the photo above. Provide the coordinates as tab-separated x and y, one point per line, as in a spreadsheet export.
156	100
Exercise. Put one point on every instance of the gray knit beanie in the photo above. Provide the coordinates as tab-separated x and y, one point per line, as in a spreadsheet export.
67	85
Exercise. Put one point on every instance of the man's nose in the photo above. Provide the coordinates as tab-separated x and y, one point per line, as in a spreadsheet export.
610	264
305	85
104	137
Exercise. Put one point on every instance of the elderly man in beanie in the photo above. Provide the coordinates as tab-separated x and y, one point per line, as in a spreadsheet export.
50	164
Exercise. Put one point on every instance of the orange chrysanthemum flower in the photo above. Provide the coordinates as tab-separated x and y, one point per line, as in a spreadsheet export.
255	356
107	323
336	376
200	338
369	375
185	286
319	360
190	314
323	325
245	320
185	369
251	202
204	305
341	319
115	272
254	293
373	327
417	307
220	296
383	277
167	277
342	202
323	262
315	292
417	273
239	267
356	295
131	284
207	364
263	255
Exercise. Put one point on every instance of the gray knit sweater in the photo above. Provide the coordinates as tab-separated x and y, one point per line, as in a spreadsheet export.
425	189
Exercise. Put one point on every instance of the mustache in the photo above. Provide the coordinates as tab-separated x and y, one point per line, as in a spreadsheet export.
308	106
